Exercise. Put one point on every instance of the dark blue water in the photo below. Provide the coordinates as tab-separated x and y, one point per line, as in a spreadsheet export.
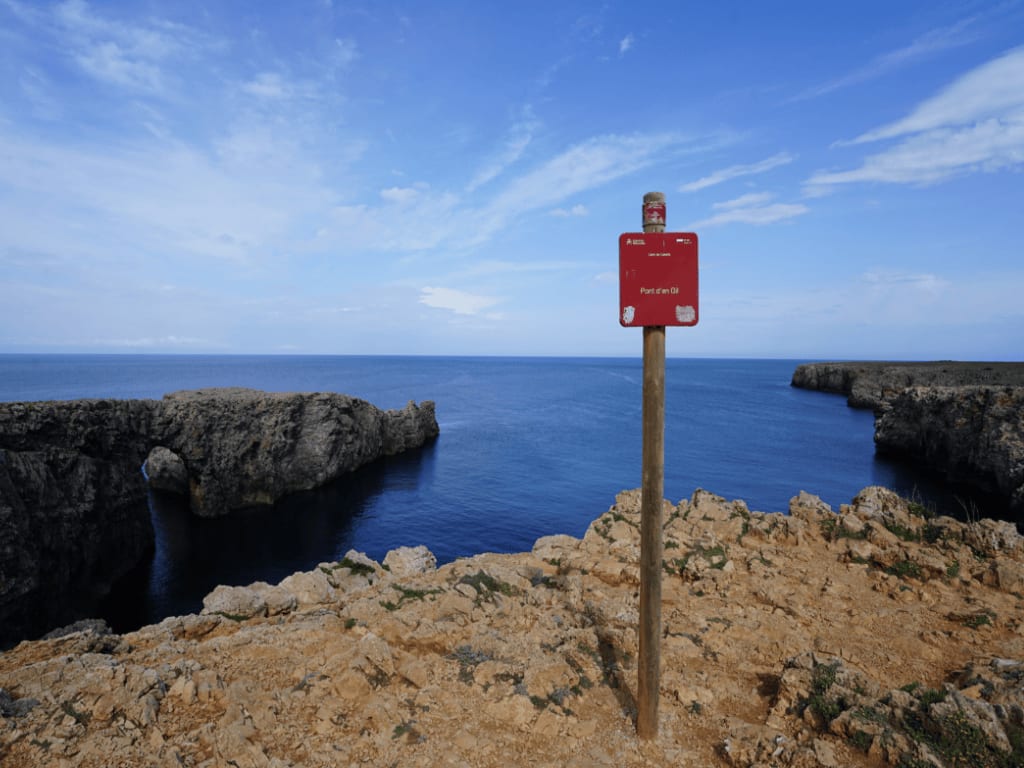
528	447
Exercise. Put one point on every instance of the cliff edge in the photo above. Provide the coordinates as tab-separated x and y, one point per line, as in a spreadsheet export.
73	512
867	637
869	384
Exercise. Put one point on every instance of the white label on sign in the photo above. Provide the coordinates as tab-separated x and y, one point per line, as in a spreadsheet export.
685	314
628	313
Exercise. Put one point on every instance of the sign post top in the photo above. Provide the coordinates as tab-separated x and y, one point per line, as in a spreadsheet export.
654	212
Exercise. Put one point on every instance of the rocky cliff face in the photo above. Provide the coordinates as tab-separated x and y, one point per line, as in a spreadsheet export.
972	434
242	447
73	512
864	638
964	420
873	384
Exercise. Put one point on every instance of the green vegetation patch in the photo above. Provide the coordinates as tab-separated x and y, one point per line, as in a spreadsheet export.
357	569
976	620
82	718
239	617
861	740
902	531
819	701
557	697
407	730
468	660
869	715
905	569
408	594
487	586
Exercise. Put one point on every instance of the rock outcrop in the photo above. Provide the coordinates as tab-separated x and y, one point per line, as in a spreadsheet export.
243	447
874	384
963	420
73	513
971	434
864	638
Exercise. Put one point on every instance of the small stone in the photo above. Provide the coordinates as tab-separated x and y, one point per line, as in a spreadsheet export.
825	754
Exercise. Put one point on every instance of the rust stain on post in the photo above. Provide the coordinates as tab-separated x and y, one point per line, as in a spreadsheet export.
652	492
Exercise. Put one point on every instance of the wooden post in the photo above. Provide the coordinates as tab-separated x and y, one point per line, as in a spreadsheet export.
652	490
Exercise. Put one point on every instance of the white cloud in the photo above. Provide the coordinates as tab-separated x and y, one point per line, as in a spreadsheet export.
401	194
974	124
626	43
403	223
990	91
345	52
266	85
430	220
40	93
459	302
931	42
515	145
882	281
157	197
744	201
152	342
576	210
751	209
938	155
587	165
736	171
126	55
108	61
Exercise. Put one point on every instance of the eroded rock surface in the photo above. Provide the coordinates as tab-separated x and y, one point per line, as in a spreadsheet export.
867	637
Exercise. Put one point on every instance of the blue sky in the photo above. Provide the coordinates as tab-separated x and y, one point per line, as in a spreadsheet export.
452	177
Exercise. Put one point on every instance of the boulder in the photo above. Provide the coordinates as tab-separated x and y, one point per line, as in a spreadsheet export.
165	471
409	561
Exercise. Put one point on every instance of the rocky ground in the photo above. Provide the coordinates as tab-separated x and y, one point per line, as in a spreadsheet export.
872	636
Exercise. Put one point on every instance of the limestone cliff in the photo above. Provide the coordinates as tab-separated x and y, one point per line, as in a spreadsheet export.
963	420
73	513
971	434
864	638
873	384
243	447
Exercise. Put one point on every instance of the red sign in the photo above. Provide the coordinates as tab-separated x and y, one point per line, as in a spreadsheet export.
657	278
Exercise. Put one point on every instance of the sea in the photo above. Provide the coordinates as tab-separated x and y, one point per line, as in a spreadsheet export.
528	447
